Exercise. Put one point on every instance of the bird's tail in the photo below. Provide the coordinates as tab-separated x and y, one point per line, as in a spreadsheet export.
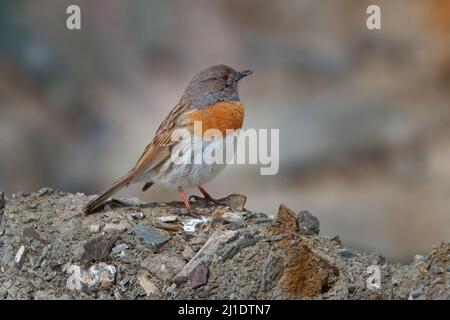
99	200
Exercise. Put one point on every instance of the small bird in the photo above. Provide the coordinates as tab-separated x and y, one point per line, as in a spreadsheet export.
210	98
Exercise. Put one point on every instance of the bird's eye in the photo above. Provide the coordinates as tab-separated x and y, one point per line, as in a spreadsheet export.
225	77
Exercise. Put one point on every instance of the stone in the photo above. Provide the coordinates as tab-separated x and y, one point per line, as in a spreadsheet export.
20	255
199	276
149	287
168	219
308	224
137	215
416	293
205	253
43	191
164	267
346	254
286	220
101	275
190	224
18	195
99	248
187	253
120	250
234	201
115	227
165	226
94	228
272	270
233	217
150	236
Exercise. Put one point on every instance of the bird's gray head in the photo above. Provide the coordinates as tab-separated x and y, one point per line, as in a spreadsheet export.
215	84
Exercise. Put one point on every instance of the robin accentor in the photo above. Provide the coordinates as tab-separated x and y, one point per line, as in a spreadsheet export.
212	99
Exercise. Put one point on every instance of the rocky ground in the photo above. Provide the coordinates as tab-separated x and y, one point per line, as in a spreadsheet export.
134	250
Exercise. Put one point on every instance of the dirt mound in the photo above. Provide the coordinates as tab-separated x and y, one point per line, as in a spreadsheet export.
133	250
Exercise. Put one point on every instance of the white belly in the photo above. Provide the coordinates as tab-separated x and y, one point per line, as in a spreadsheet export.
177	172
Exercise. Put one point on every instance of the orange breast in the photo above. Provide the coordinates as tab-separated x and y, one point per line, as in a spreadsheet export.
220	116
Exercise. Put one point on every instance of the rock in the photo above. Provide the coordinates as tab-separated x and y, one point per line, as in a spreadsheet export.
94	228
31	233
115	228
416	293
233	217
199	276
150	236
187	253
120	249
208	250
19	258
137	215
18	195
337	239
149	287
346	254
190	223
164	267
234	201
166	219
286	220
308	223
44	295
99	248
272	270
166	226
44	191
101	275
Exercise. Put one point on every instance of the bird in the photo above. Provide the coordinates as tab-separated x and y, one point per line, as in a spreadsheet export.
211	98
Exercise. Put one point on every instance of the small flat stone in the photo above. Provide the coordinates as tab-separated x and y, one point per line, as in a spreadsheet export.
168	219
233	217
346	254
150	236
199	276
187	253
94	228
19	258
99	248
115	228
43	191
308	223
137	215
149	287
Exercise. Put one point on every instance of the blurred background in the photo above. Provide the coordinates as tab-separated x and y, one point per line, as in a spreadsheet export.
363	115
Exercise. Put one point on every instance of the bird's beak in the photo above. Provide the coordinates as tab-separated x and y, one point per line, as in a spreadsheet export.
242	74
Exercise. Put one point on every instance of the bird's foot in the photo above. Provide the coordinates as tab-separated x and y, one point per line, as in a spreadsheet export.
210	199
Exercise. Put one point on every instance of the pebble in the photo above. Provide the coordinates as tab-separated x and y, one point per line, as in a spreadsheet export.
18	195
102	275
137	215
199	276
171	218
148	285
346	254
233	217
308	223
44	191
120	249
162	266
150	236
418	258
94	228
115	228
416	293
187	253
19	258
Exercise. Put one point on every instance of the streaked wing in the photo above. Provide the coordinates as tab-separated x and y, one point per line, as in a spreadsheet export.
159	148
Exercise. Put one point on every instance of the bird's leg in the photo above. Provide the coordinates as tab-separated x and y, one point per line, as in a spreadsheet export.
184	198
186	202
